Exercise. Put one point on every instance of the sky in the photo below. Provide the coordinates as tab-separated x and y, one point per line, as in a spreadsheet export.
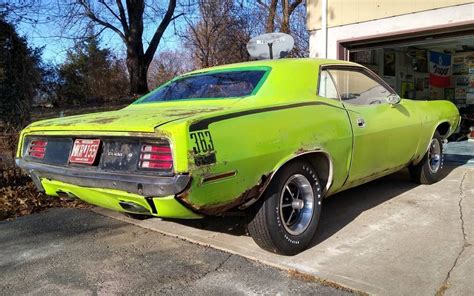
45	35
55	49
40	31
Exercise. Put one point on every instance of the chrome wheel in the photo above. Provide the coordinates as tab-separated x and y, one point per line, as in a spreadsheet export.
434	155
285	219
296	204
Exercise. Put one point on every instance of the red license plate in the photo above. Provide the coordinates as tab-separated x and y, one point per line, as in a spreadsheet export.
84	151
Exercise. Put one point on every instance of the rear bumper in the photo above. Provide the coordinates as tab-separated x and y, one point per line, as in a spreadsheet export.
151	186
165	206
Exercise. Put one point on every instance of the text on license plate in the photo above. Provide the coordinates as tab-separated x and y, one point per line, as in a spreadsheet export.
84	151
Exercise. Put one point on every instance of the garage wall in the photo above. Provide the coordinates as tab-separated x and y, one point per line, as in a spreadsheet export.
343	12
409	22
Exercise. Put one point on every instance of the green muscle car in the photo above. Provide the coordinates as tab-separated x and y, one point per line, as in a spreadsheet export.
271	138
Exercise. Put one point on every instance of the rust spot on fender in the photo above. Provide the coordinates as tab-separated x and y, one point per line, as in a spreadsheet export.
217	209
181	112
162	133
103	120
301	151
54	122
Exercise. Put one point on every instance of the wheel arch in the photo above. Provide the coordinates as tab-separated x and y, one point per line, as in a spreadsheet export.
443	128
319	159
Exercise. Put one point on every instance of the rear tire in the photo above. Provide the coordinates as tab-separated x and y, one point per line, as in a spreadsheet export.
285	220
428	170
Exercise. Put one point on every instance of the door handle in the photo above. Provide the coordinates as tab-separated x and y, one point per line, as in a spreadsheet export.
360	122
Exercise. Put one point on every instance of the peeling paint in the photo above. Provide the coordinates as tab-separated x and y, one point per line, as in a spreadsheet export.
104	120
220	208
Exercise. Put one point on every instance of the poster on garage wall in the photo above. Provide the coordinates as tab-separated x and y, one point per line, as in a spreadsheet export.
389	63
440	69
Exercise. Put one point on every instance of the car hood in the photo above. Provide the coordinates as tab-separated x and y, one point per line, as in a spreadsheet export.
134	118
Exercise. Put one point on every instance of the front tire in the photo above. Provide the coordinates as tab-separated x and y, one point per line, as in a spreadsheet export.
285	220
428	170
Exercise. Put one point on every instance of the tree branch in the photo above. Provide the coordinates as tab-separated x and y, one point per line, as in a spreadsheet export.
109	9
293	6
122	16
272	11
119	18
90	14
155	41
176	16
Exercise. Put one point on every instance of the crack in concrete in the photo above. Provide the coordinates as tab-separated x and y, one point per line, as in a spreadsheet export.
219	266
442	289
195	278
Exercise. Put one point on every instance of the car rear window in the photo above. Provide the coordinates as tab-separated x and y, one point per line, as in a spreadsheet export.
229	84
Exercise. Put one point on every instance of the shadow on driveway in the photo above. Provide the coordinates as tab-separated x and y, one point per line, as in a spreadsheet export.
338	210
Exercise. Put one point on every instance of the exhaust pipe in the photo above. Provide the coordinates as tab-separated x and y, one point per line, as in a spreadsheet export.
133	207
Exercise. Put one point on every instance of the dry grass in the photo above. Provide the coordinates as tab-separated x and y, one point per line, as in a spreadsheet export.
16	201
19	197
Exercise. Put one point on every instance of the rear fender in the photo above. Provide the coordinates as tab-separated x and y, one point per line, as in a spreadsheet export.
324	170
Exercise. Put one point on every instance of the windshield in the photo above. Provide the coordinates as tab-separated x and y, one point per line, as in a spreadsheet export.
229	84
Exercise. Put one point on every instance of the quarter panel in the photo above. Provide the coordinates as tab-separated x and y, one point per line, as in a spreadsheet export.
255	145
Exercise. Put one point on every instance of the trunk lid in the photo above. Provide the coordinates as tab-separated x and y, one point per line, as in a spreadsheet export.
134	118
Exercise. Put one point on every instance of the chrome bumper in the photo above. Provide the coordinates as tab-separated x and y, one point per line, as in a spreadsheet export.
149	186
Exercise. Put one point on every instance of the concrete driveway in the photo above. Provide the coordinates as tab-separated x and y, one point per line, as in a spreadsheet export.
78	252
388	237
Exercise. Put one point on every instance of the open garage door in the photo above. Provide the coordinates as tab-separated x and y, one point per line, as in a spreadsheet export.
423	66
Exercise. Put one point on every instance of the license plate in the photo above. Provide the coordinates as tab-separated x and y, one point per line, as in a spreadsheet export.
84	151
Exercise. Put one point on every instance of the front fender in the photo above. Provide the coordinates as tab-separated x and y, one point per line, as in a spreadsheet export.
433	115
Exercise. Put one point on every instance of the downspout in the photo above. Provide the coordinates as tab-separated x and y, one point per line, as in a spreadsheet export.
324	28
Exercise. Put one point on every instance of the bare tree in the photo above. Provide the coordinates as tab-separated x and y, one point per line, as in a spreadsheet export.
288	8
127	21
271	10
287	16
140	25
166	65
219	35
299	32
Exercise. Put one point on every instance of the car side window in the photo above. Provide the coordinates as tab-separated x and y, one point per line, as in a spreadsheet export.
327	89
355	87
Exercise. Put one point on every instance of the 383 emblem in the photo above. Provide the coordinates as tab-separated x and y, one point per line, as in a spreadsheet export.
203	147
202	142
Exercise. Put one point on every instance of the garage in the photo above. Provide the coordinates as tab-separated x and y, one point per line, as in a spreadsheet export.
423	49
434	65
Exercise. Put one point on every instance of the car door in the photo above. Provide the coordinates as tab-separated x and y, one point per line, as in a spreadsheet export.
385	136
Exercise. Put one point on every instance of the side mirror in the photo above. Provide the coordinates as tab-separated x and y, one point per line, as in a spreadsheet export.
393	99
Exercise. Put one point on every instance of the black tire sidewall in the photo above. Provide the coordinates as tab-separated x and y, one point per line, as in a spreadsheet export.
428	174
285	242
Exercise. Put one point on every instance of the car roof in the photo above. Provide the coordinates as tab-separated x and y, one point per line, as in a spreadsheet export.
279	63
279	87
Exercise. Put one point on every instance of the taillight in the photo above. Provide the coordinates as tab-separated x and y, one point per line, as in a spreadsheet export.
37	148
156	156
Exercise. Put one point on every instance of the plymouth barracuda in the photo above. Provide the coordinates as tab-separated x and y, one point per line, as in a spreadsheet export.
271	138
